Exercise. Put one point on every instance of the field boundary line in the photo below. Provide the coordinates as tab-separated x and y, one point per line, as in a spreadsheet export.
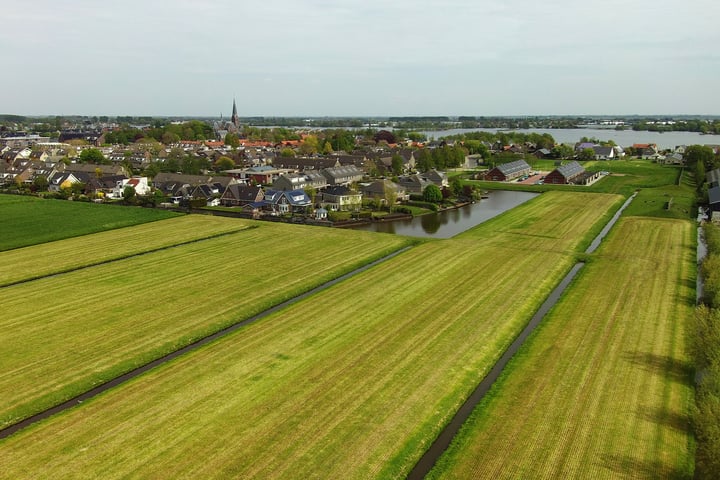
136	372
124	257
441	443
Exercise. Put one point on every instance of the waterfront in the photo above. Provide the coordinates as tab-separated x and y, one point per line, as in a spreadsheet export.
448	223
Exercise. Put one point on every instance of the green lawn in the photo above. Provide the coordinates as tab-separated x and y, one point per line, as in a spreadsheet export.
31	220
62	335
604	387
37	261
354	382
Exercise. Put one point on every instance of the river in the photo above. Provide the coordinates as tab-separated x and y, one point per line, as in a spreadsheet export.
449	223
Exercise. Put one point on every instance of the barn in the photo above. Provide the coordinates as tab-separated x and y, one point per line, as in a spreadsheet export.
508	171
565	174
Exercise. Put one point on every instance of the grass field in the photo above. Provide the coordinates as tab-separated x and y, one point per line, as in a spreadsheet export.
603	388
64	334
30	220
354	382
64	255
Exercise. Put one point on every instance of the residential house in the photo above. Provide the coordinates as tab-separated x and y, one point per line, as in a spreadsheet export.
139	184
508	171
604	153
379	188
302	164
438	178
60	180
282	202
340	197
414	183
300	181
343	175
238	195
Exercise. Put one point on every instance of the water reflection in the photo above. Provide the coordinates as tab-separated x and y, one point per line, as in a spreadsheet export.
451	222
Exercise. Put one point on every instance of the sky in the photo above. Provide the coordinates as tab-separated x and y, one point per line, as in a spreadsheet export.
359	57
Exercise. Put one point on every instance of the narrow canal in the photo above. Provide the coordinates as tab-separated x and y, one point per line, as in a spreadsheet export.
442	442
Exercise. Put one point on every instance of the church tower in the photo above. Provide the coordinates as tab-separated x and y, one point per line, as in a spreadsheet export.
234	119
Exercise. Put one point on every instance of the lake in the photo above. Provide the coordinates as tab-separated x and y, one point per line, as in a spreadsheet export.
623	138
449	223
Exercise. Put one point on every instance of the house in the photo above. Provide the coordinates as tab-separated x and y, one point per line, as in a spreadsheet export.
302	164
139	184
300	181
414	183
645	150
343	175
542	153
340	197
603	153
281	202
565	174
238	195
60	180
508	171
438	178
379	188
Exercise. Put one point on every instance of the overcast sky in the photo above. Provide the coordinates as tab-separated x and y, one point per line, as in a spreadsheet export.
359	57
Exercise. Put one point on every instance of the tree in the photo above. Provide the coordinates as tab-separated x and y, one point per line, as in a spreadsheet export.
327	148
390	193
287	152
433	194
699	154
310	145
562	151
232	140
224	163
456	186
40	183
92	155
128	194
586	154
396	164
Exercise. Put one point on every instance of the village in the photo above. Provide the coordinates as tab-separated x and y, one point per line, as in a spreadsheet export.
298	175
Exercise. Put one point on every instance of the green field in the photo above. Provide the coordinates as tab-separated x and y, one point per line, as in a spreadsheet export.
603	389
354	382
64	334
37	261
30	220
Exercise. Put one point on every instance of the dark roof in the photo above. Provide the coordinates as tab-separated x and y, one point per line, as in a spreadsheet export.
338	190
245	193
570	170
513	167
714	195
713	177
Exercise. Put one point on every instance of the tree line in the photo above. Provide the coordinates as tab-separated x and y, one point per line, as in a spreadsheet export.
705	350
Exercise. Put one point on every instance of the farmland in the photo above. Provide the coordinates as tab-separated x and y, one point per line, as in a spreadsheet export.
60	256
30	220
604	386
353	382
63	334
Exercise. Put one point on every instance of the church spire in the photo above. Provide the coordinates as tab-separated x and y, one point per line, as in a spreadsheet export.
234	119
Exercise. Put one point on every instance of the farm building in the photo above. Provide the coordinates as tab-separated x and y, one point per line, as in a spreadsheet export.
508	171
565	173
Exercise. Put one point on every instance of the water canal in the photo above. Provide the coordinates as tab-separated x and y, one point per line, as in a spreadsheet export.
449	223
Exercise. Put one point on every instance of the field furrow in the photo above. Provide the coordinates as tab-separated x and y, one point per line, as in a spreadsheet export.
64	334
354	382
603	387
37	261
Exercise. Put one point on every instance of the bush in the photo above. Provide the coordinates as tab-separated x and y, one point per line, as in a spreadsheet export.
428	205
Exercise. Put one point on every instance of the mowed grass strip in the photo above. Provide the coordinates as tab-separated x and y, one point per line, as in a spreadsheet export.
604	387
64	255
30	220
559	221
354	382
62	335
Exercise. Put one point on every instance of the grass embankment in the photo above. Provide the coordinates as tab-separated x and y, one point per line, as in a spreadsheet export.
50	258
603	388
64	334
658	184
31	220
354	382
